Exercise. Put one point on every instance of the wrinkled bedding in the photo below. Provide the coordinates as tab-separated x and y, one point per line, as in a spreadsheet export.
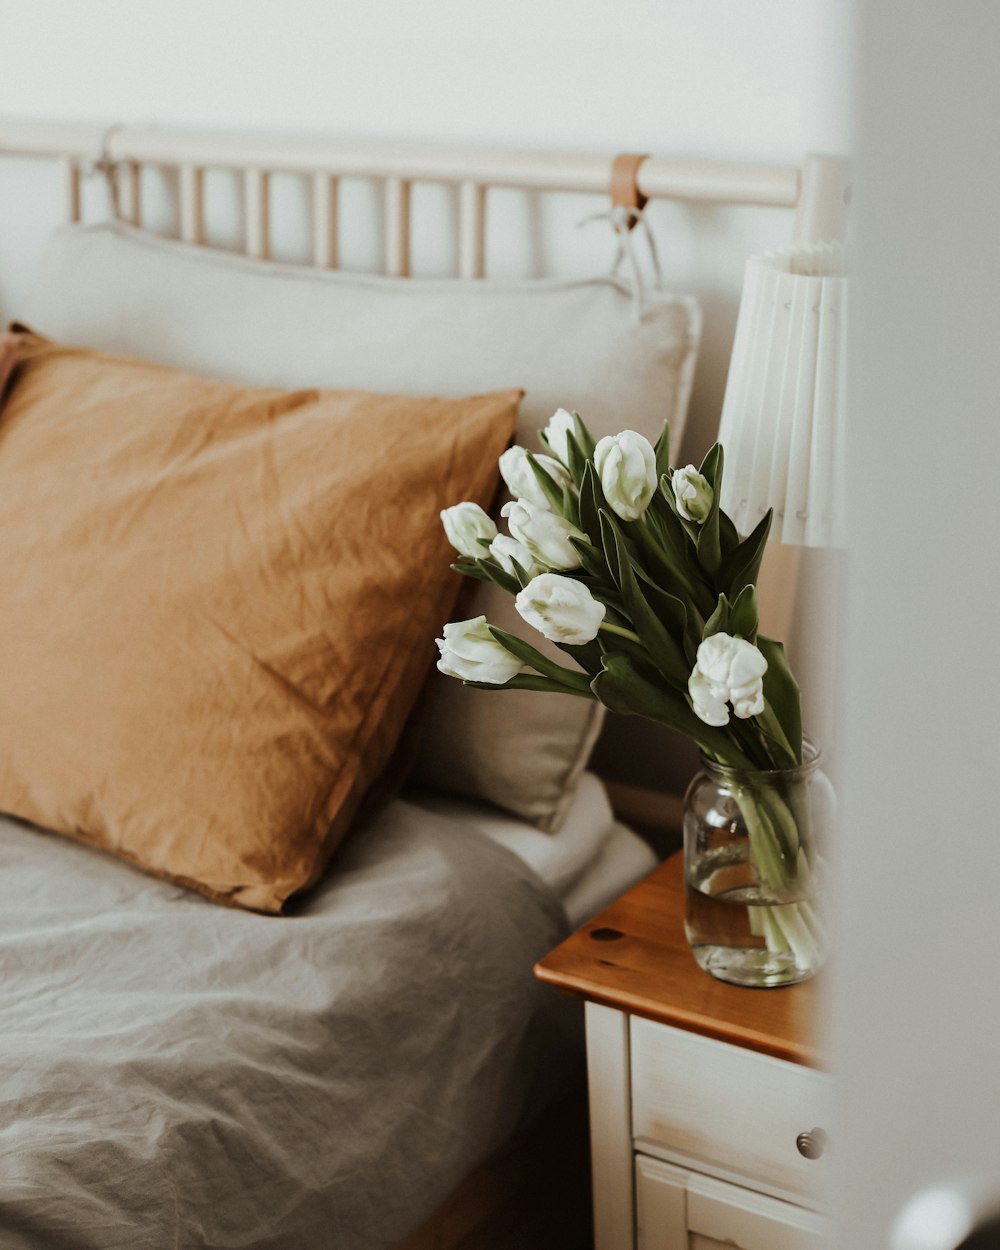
177	1074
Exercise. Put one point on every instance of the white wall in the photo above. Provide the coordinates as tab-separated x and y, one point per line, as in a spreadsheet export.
714	77
726	78
719	75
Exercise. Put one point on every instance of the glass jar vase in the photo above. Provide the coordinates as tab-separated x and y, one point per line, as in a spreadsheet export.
753	871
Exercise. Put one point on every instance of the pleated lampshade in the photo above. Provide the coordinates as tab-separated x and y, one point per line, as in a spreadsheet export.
783	416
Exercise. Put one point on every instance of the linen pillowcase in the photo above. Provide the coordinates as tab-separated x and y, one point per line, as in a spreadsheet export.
218	606
572	344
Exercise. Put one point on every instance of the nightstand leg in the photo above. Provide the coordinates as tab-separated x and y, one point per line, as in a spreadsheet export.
610	1127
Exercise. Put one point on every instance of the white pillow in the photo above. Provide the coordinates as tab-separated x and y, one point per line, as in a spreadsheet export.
568	344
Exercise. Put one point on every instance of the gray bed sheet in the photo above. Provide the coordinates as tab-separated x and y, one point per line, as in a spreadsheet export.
177	1074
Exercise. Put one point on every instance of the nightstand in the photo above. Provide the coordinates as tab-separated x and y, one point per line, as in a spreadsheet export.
707	1102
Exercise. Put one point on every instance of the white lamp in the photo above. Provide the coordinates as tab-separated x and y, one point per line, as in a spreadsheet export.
784	412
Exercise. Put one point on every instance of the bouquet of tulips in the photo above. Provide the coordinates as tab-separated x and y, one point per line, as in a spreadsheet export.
632	569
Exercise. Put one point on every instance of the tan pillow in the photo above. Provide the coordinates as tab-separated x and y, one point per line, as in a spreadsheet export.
218	605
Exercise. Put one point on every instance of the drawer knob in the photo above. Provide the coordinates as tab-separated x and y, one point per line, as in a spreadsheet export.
812	1144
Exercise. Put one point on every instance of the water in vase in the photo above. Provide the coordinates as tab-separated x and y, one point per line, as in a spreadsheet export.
739	933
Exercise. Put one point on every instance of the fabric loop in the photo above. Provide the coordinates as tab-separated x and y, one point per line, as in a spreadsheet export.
626	212
105	165
623	219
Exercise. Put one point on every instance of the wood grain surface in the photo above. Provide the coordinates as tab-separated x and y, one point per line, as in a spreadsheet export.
634	956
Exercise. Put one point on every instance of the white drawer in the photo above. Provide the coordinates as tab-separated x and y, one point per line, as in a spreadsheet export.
675	1207
727	1110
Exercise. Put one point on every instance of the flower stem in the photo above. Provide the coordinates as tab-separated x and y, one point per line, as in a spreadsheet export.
618	629
781	851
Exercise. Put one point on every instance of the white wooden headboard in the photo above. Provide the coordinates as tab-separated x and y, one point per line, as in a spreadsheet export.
816	190
130	158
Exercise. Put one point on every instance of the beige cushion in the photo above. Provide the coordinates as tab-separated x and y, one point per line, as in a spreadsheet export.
217	606
570	344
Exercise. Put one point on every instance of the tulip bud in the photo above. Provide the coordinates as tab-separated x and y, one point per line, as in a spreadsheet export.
727	671
516	471
693	493
507	551
546	534
556	434
470	652
465	524
626	463
562	609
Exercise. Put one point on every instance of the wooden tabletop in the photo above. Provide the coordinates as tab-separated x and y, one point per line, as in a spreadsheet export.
634	956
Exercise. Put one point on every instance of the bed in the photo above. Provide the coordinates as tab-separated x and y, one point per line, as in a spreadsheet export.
372	1064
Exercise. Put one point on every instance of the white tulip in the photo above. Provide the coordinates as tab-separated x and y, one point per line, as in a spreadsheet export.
727	671
470	652
693	494
546	534
517	472
562	609
556	434
708	705
626	463
465	524
506	551
748	700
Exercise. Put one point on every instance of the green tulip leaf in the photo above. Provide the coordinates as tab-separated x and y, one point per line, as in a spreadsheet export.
709	544
711	468
577	460
668	496
719	621
522	576
652	550
540	663
744	618
472	570
592	560
662	451
665	652
527	681
741	566
614	616
677	571
622	688
550	488
589	655
729	538
591	502
709	536
570	507
486	571
490	571
583	437
610	539
781	693
782	750
672	612
615	644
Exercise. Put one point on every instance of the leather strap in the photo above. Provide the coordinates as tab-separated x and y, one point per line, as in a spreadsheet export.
625	191
10	350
